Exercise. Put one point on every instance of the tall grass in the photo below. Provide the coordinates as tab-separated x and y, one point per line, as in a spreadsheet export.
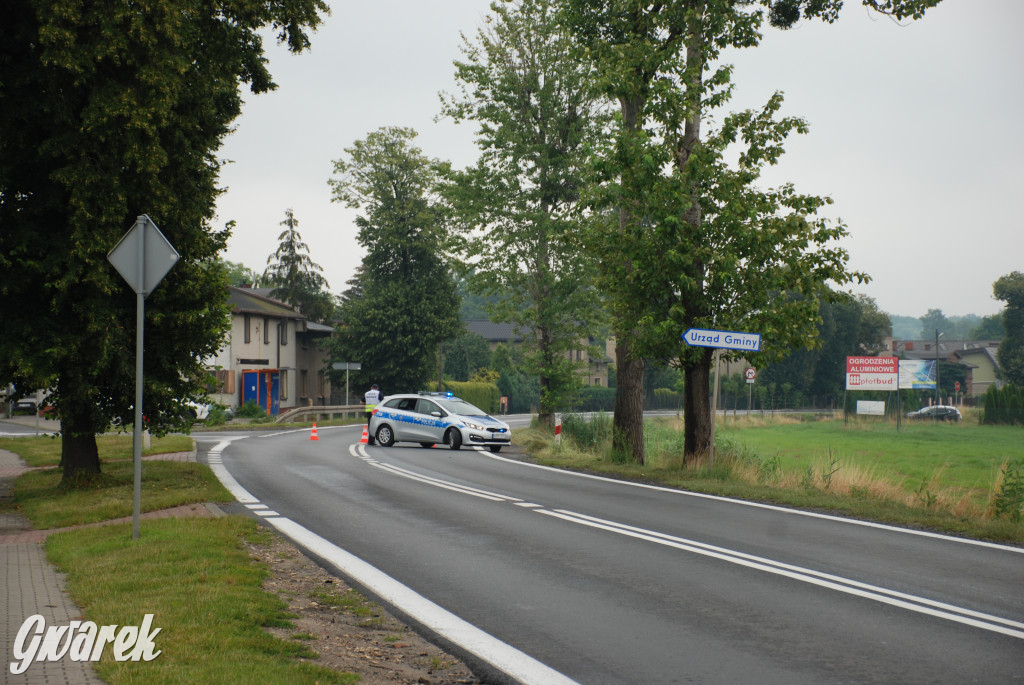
964	478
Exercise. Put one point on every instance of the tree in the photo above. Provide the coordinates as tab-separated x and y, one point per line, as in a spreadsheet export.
402	304
1010	289
698	243
531	98
295	277
989	328
108	112
464	355
934	320
238	274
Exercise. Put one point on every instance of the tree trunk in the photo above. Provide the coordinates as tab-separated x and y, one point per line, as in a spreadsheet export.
79	455
628	422
697	408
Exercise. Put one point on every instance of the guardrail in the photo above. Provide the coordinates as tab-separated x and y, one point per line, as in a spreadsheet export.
318	412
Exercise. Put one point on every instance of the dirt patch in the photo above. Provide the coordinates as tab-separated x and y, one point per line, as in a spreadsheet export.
347	631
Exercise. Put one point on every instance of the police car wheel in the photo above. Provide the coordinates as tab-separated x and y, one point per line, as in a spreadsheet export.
453	439
385	436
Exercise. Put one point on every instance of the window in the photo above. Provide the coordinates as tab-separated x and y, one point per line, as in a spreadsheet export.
282	388
282	332
426	407
266	331
247	321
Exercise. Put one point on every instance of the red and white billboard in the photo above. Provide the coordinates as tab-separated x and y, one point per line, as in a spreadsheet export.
872	373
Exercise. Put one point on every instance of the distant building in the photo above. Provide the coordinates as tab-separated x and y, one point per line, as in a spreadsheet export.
977	356
272	355
593	366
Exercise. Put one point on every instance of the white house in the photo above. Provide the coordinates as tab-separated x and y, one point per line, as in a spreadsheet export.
272	355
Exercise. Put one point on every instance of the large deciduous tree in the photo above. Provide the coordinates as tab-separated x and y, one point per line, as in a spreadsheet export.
1010	289
295	277
109	110
698	242
402	303
536	111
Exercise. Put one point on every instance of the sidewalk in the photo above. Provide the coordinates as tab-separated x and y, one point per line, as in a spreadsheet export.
31	585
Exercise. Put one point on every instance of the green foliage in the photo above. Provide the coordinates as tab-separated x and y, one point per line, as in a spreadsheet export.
933	321
522	390
1004	405
1009	501
595	398
106	114
1010	289
482	395
592	433
536	115
988	328
295	277
251	410
402	304
464	355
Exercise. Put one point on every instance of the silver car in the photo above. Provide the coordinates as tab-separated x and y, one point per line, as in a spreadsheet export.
433	418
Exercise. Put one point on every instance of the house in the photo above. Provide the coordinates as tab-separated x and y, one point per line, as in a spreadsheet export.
977	356
593	366
272	355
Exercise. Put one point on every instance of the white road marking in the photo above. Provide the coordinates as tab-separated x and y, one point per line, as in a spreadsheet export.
517	665
769	507
879	594
838	583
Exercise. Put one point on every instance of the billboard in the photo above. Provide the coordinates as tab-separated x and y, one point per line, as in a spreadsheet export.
917	374
872	373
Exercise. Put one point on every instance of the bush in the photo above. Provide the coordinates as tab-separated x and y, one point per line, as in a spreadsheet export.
483	395
587	435
251	410
1004	405
594	398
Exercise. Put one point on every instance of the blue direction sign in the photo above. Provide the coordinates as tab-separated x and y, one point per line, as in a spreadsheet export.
731	340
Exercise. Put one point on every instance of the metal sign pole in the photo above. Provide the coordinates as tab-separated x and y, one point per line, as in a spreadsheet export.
140	319
714	408
143	267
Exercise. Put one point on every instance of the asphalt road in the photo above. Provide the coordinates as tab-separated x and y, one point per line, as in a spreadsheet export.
607	582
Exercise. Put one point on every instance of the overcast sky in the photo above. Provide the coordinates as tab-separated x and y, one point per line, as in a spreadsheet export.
917	133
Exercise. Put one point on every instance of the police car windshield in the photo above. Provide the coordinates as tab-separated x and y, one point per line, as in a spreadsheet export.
456	406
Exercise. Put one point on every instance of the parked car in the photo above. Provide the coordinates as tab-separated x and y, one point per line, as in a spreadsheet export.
938	412
433	418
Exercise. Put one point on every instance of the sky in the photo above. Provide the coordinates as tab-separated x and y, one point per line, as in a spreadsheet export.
916	133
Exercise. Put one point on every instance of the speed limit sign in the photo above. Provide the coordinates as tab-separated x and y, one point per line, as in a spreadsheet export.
750	374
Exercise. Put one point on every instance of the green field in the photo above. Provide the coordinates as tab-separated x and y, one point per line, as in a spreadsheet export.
946	455
964	478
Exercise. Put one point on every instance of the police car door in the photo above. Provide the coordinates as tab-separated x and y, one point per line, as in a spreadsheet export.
430	421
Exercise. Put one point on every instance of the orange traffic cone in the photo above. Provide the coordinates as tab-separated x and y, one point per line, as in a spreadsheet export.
366	436
312	436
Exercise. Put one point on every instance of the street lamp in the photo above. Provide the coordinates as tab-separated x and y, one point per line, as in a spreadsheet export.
937	336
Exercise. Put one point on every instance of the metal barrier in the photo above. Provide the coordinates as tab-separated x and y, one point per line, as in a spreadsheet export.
320	411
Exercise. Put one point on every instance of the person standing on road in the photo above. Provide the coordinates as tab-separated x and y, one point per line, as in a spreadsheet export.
371	399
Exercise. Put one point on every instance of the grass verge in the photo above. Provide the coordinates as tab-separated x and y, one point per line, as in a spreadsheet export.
943	477
204	590
45	449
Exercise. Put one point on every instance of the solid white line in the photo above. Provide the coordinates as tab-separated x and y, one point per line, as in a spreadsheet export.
502	656
837	583
498	654
240	493
769	507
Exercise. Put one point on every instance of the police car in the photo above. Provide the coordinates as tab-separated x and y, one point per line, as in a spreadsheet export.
431	418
